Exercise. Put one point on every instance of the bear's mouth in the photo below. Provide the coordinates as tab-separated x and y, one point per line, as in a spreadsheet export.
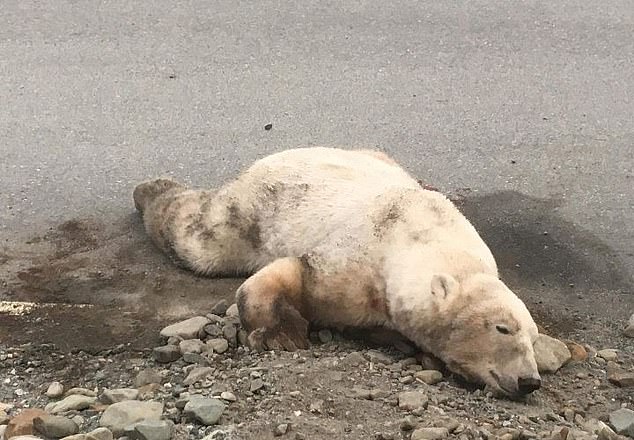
499	385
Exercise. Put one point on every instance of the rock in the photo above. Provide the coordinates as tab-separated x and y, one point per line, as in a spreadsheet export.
197	374
325	336
97	434
26	437
148	391
280	429
379	357
205	410
120	415
22	424
550	353
353	359
55	426
119	395
430	362
191	346
358	392
147	376
100	434
622	420
608	354
408	423
152	430
220	308
606	433
411	400
218	345
228	396
195	358
629	328
81	391
430	377
55	389
243	337
232	310
187	329
256	385
230	333
577	352
166	353
4	419
213	330
430	433
73	402
621	378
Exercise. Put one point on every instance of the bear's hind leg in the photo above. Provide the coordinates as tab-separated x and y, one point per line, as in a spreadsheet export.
269	303
145	193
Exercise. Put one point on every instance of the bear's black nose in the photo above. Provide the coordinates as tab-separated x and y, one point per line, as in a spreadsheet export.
527	385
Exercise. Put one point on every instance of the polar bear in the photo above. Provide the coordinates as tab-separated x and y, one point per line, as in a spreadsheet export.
346	238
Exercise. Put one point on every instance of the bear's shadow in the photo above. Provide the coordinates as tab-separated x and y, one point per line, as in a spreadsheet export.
553	264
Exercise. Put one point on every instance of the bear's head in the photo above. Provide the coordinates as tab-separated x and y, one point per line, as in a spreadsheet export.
486	334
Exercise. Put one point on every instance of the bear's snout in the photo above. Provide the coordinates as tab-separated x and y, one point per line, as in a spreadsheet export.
526	385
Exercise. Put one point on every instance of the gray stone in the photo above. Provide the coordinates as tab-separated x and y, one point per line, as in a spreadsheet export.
280	429
218	345
205	410
324	336
152	430
608	354
100	434
232	310
55	389
230	333
120	415
622	420
550	353
629	328
119	395
197	374
430	377
26	437
55	426
358	392
191	346
430	433
174	340
72	402
243	337
256	385
82	391
353	359
213	330
379	357
228	396
195	358
408	423
411	400
146	377
187	329
220	308
97	434
167	353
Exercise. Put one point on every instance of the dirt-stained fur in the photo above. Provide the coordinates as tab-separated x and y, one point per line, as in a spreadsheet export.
348	239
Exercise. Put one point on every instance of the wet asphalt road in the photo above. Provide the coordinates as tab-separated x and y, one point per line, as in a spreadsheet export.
526	107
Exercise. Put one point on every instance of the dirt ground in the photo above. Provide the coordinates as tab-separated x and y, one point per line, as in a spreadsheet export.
98	287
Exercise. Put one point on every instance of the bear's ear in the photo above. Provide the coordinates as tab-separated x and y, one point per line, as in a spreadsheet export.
443	285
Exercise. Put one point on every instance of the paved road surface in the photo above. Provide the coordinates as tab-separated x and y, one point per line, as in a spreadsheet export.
528	104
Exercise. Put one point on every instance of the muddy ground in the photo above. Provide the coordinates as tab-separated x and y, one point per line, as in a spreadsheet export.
99	286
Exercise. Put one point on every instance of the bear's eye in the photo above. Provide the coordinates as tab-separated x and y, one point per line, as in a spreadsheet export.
502	329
